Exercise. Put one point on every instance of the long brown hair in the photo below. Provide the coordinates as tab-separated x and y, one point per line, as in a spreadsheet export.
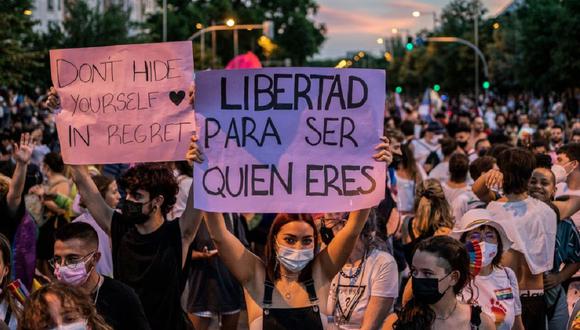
5	249
272	267
36	314
432	211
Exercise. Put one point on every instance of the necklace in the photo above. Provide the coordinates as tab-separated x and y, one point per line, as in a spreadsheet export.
357	271
448	316
287	293
98	288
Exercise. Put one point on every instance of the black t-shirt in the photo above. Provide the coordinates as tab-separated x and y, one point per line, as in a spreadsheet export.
9	221
151	265
119	305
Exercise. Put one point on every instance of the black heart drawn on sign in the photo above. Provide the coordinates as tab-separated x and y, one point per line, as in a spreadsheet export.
176	98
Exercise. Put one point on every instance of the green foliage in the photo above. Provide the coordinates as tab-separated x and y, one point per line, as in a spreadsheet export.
17	59
300	37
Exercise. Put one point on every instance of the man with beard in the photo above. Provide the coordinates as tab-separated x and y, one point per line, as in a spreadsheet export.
556	137
477	132
462	134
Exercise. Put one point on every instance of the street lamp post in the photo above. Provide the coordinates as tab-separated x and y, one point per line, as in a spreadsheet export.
164	20
418	14
230	25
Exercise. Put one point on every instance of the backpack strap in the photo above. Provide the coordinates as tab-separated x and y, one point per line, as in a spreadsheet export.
475	320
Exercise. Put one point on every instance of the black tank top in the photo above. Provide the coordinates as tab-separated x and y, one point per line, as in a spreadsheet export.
304	318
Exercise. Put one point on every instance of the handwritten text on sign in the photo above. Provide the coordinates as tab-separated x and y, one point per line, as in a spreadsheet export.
289	140
124	104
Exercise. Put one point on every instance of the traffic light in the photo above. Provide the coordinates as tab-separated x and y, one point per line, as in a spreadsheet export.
409	44
436	87
398	89
485	84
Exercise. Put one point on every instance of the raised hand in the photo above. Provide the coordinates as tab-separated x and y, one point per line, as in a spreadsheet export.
191	93
494	179
193	153
384	154
53	101
23	152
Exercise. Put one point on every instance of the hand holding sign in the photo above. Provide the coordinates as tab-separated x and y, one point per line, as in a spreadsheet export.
123	103
289	140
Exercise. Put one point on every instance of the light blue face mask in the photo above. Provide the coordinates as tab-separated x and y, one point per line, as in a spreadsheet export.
78	325
294	259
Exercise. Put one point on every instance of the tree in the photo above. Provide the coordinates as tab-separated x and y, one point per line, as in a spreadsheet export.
298	39
17	58
84	26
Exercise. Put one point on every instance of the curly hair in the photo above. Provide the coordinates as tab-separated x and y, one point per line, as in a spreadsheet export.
156	179
36	314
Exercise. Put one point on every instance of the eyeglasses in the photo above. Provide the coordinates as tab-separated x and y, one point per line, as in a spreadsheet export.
70	261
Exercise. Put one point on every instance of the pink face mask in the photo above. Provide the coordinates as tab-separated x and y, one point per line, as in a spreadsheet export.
75	274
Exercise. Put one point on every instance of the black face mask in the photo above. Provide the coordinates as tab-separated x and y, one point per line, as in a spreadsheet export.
482	152
397	159
462	144
426	290
133	212
326	234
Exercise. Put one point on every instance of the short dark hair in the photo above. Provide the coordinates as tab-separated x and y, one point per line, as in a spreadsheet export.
448	146
408	127
156	179
558	126
54	162
77	230
540	143
516	165
497	149
571	150
544	161
480	141
458	167
480	165
463	128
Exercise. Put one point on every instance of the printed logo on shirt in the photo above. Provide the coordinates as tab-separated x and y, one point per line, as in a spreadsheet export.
499	311
504	294
348	298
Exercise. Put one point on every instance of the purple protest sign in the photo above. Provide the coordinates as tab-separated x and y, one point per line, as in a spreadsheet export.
124	104
289	140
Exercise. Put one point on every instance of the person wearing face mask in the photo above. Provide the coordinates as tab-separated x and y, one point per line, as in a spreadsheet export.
289	289
149	252
497	286
75	258
58	306
440	272
462	135
108	189
482	146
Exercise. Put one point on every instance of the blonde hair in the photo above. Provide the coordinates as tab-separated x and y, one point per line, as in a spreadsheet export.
432	211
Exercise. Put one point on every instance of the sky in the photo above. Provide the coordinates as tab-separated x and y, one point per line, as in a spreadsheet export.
357	24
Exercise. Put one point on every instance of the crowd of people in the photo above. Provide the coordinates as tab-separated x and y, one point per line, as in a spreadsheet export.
478	230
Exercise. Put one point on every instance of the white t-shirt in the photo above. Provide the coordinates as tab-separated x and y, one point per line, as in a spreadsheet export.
184	183
378	278
452	193
562	190
422	149
465	202
440	172
13	322
531	226
499	296
105	264
405	194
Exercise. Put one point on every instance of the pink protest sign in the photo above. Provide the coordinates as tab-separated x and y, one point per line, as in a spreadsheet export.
289	140
124	104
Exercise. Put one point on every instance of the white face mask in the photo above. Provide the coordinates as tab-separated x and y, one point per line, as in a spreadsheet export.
293	259
78	325
488	252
